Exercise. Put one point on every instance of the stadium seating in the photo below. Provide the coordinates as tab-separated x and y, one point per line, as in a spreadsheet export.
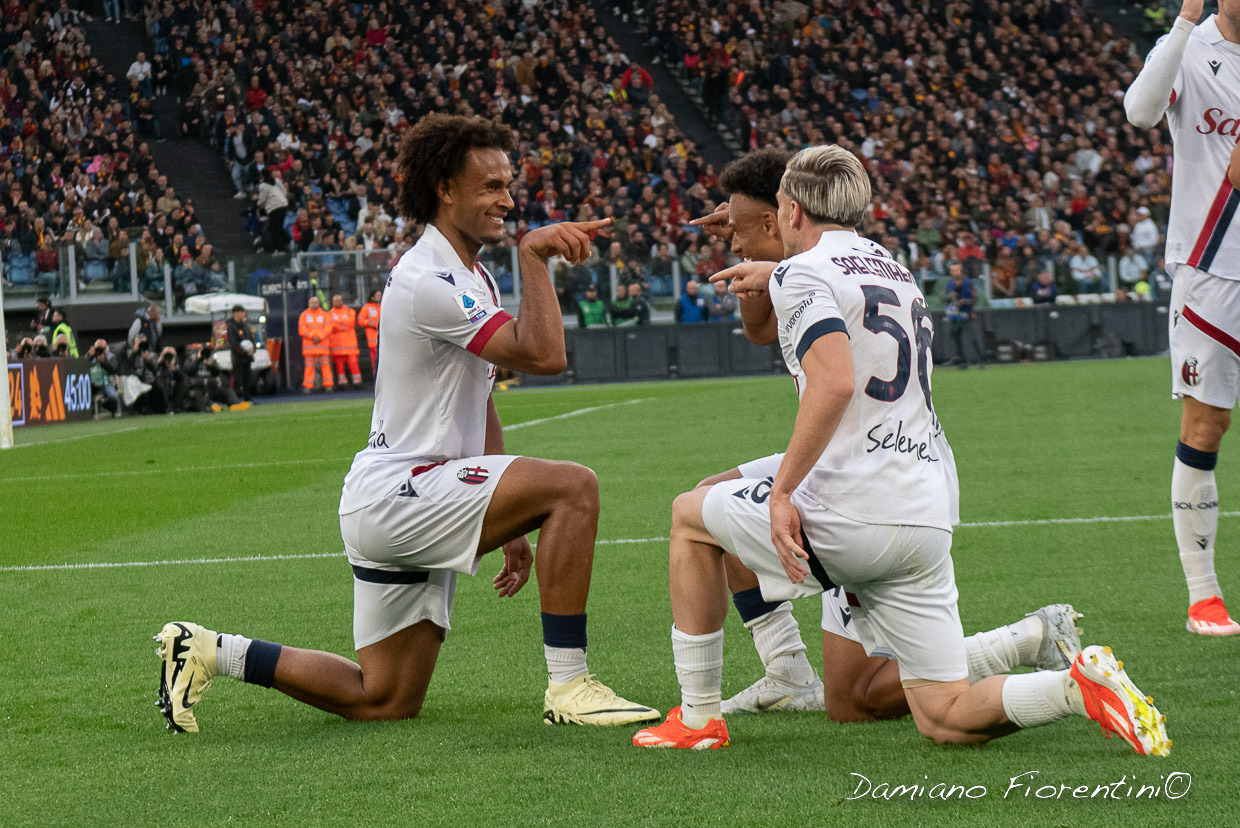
323	93
978	120
73	155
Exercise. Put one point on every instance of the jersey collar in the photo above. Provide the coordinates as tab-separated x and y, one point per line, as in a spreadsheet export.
1211	35
440	244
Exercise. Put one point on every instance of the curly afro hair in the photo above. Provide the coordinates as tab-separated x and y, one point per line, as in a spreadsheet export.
434	150
756	175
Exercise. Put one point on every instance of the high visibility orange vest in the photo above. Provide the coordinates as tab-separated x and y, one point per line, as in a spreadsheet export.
368	319
311	324
344	333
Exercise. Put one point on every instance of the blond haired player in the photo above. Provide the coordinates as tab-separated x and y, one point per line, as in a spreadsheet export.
1193	75
862	498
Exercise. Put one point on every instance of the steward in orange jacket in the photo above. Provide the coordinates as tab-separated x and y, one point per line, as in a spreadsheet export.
368	320
344	340
315	327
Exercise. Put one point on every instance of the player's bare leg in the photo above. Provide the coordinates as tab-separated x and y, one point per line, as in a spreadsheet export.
1194	501
858	688
561	501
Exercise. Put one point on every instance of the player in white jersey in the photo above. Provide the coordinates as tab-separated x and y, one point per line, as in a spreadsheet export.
434	491
862	498
1193	75
854	687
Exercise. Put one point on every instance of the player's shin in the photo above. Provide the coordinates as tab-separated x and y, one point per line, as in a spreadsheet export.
1032	699
776	636
699	669
1194	502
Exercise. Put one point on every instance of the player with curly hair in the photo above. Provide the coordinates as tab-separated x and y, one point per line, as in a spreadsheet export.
434	491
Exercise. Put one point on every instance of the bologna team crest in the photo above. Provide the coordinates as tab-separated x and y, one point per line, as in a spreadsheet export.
1189	372
473	476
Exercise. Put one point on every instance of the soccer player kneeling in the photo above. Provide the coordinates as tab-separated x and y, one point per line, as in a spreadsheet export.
433	491
862	498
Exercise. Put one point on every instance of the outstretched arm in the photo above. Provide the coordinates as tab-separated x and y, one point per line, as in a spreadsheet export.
1152	92
749	283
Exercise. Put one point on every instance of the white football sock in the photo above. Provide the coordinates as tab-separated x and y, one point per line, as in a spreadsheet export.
565	663
699	668
996	652
230	653
1032	699
777	638
1194	502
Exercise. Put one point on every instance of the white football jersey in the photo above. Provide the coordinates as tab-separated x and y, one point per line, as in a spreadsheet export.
887	462
431	386
1204	119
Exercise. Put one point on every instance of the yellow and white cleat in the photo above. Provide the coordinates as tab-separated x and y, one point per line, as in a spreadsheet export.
1210	617
1115	703
187	655
1061	639
585	701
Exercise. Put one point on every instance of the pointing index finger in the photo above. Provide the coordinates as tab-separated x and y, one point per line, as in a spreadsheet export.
587	226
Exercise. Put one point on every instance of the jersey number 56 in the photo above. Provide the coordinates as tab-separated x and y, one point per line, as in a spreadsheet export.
892	389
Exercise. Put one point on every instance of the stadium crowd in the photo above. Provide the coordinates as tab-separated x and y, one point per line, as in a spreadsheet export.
993	131
76	165
307	103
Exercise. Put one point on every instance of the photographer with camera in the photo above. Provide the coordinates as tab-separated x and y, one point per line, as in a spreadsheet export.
137	370
24	349
170	379
206	390
62	330
103	378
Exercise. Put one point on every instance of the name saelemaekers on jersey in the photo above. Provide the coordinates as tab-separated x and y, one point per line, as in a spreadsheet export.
885	463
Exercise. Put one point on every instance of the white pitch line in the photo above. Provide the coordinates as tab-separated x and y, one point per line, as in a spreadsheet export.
616	541
575	413
239	559
174	470
78	437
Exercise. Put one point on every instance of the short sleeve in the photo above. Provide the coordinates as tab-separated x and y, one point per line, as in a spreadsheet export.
450	307
807	308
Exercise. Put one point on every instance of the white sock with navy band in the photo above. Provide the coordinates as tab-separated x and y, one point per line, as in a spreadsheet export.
1194	509
564	646
699	668
776	636
250	660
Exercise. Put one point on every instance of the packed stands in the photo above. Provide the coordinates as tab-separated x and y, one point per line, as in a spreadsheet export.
994	131
76	170
307	104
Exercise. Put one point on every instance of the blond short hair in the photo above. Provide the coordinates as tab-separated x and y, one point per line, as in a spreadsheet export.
830	185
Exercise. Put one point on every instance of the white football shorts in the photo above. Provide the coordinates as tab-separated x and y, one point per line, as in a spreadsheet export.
1205	337
407	548
901	577
837	615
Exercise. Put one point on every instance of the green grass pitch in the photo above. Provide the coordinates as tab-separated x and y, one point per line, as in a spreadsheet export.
81	742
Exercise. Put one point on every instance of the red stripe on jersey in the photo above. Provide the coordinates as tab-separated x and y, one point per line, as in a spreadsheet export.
487	331
1218	335
1173	97
1216	210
